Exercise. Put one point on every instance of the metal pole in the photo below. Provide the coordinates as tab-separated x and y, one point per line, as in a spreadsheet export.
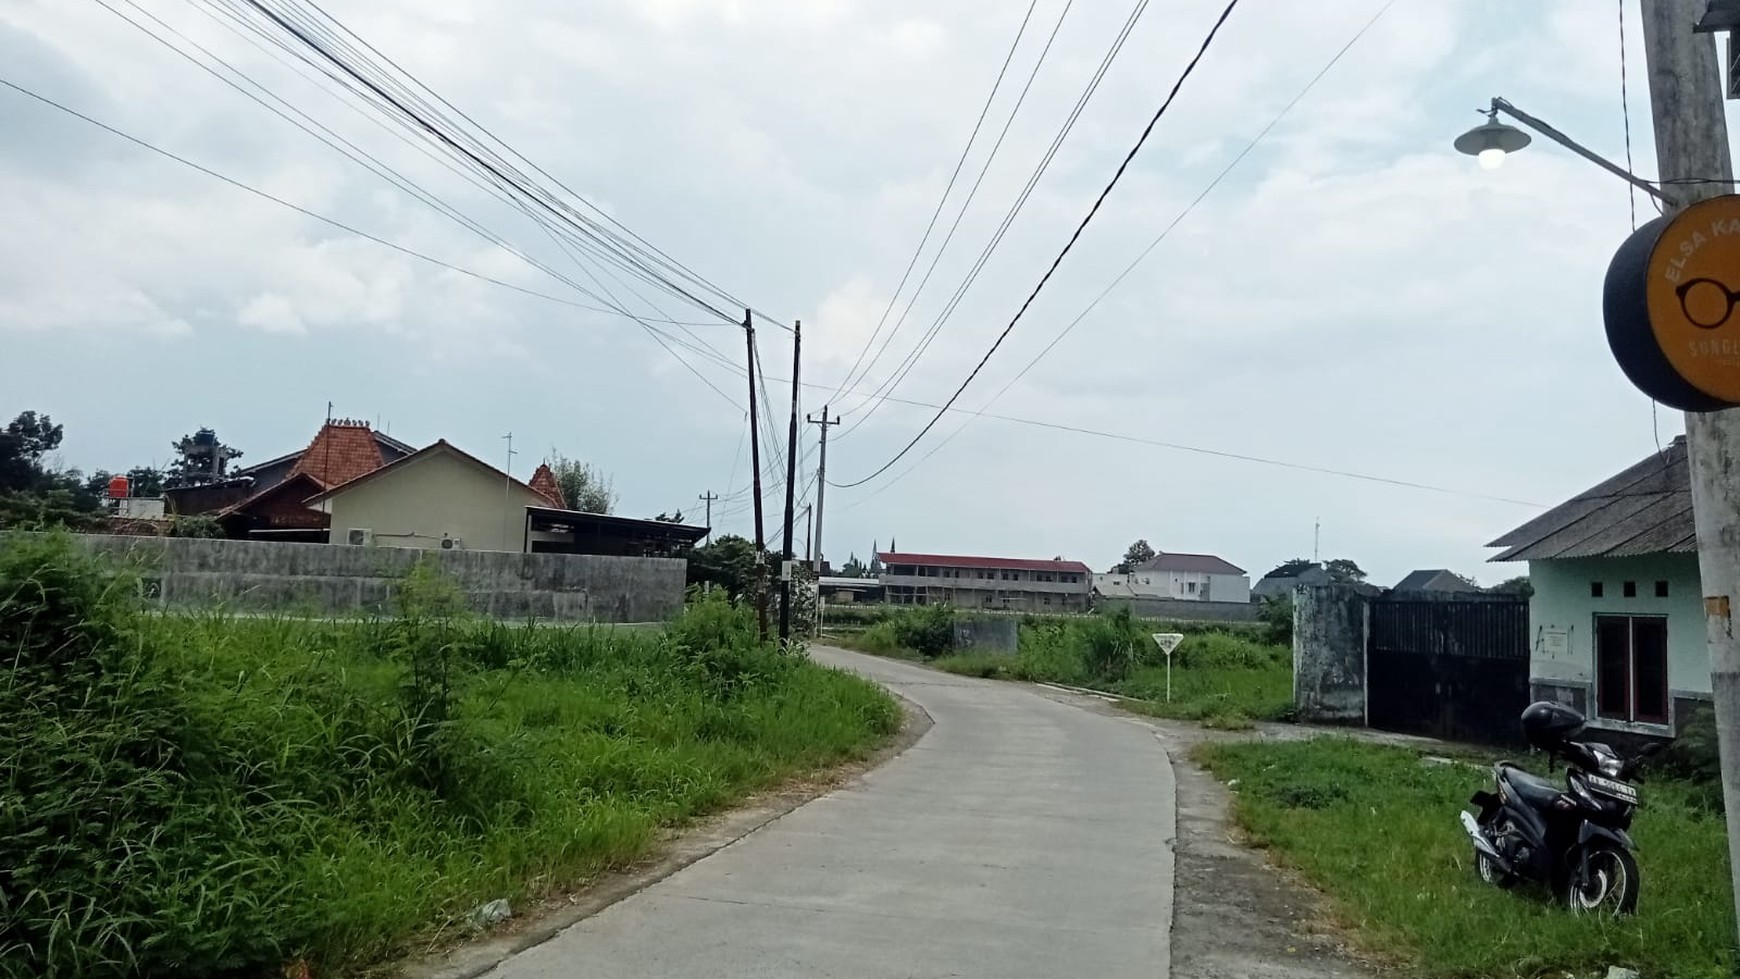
1504	106
1691	141
791	460
755	468
821	559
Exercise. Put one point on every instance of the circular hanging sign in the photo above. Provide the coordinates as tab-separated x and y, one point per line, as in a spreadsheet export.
1672	306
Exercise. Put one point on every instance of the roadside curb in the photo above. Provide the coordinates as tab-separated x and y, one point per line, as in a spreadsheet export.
688	847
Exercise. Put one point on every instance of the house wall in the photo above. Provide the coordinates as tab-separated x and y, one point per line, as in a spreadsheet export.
1228	588
268	576
1562	603
419	502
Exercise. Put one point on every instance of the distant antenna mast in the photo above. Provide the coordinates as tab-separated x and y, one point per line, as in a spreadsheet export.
1316	540
507	492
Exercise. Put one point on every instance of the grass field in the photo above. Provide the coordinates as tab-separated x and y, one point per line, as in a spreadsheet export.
1377	830
209	796
1224	676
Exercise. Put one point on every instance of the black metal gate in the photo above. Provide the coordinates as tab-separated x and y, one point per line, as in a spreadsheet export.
1449	666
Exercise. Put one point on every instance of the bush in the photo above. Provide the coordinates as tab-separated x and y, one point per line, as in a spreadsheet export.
928	630
1693	757
1277	619
204	796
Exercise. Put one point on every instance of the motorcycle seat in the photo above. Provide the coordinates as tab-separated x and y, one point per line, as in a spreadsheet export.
1532	790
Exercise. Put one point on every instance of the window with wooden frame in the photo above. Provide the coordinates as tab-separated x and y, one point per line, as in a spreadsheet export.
1631	676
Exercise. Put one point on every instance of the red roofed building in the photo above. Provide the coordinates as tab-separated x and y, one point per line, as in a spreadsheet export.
1017	584
341	451
544	484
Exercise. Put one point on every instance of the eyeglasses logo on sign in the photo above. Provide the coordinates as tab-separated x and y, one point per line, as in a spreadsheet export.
1669	306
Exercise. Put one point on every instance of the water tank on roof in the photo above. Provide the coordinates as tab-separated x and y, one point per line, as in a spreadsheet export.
118	487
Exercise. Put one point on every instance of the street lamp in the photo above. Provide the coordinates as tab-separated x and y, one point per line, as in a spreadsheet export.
1492	140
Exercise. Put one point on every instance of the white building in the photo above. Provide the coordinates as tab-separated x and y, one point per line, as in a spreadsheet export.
1617	615
1184	577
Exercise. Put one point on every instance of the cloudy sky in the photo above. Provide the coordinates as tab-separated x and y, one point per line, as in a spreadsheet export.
1354	296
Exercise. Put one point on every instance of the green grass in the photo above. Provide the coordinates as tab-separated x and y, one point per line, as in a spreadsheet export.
209	796
1224	678
1378	831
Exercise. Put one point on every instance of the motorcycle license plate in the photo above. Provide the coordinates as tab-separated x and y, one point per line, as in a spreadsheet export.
1617	790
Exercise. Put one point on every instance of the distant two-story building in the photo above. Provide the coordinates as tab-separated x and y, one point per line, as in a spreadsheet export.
1016	584
1181	577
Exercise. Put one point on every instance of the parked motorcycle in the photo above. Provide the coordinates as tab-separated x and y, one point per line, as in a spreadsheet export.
1574	839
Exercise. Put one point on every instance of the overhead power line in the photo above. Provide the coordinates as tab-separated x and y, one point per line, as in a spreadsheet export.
862	414
930	226
1164	232
659	335
1189	68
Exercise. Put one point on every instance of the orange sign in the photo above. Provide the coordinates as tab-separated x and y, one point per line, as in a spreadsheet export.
1672	306
1694	286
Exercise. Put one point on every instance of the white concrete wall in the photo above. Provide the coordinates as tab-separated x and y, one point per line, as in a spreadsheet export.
1229	587
417	503
1562	604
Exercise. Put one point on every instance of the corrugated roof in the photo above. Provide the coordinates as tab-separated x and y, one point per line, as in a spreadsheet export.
1196	563
994	563
1647	509
1434	579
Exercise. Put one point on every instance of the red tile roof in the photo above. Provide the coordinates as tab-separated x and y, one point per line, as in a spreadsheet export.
340	452
544	484
994	563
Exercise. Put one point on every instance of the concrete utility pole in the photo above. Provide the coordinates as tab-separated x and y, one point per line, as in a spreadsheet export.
755	468
1691	144
821	560
708	498
791	464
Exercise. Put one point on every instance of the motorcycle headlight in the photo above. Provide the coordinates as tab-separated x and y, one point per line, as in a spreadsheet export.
1611	767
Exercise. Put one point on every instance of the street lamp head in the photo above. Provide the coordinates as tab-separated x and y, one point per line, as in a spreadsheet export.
1491	141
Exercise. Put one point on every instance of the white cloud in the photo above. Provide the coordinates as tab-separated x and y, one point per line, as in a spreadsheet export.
1354	296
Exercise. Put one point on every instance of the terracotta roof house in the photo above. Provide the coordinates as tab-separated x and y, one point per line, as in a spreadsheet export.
341	451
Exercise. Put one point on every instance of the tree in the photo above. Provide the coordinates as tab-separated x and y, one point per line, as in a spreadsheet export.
670	517
145	481
1135	556
1290	569
200	459
584	487
727	562
853	568
1344	571
23	443
1520	585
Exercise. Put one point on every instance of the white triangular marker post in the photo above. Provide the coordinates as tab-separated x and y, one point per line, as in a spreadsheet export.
1168	641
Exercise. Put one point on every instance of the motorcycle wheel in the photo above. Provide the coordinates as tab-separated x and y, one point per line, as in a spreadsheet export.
1490	871
1610	885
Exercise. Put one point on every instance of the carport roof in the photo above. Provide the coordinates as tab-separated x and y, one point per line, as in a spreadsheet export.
1647	509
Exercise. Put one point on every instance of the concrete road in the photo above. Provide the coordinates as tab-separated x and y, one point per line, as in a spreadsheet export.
1020	837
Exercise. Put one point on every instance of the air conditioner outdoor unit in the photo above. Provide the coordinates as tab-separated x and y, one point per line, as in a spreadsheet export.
361	537
452	543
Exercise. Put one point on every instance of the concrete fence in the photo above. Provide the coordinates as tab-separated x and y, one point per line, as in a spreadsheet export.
987	634
1184	610
329	579
1330	624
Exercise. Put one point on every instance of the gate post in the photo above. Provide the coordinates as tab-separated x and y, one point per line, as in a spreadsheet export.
1331	625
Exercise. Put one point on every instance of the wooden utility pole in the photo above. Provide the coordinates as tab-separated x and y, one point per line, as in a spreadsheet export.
708	498
1691	146
755	467
791	460
820	560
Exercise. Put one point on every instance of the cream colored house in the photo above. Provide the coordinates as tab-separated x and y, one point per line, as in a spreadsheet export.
436	497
